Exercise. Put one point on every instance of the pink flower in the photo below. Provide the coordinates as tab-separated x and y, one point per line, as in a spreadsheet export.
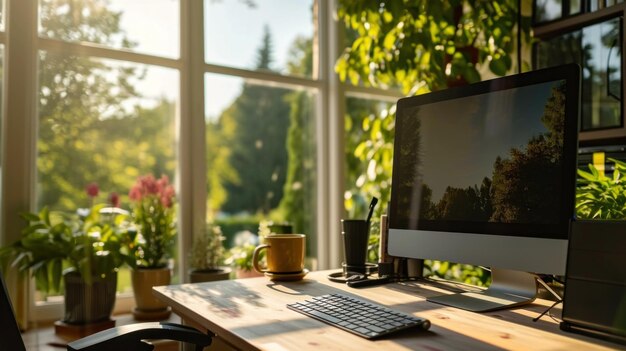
167	196
92	189
162	183
135	193
114	199
148	185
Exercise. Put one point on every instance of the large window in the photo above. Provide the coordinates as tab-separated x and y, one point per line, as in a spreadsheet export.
125	88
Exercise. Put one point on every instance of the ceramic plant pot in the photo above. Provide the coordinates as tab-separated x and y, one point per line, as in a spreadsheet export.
148	306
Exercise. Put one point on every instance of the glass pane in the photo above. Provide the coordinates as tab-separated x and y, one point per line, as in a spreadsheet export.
574	7
275	35
597	49
105	122
547	10
2	15
146	26
261	158
369	131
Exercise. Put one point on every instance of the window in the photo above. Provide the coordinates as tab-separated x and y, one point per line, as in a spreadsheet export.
284	29
260	156
592	36
144	26
597	50
115	91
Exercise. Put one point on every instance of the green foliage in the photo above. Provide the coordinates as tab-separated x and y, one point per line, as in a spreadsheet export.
232	225
426	45
599	196
459	272
257	120
296	205
219	170
207	250
90	243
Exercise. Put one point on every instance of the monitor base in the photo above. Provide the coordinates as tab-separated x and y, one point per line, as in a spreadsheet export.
508	289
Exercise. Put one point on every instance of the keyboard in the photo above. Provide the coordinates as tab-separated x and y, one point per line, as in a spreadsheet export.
357	316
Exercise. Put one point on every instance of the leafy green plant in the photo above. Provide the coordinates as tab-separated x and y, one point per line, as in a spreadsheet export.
599	196
208	251
89	242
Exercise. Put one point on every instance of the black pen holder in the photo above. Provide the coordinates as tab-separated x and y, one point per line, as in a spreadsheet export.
355	234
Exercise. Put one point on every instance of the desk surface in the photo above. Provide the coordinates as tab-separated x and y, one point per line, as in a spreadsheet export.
250	314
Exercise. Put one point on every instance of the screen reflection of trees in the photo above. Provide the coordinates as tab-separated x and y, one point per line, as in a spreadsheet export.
519	187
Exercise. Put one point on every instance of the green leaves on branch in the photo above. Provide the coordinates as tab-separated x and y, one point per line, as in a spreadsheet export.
599	196
425	45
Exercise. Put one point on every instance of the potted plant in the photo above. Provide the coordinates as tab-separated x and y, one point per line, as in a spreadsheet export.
87	244
240	255
153	214
207	255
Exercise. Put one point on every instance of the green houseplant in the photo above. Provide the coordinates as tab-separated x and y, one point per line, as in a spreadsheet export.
84	249
240	255
599	196
207	256
153	215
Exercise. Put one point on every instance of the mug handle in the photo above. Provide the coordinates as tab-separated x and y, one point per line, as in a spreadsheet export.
255	258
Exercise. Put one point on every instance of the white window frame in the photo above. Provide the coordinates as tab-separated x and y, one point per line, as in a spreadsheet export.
20	118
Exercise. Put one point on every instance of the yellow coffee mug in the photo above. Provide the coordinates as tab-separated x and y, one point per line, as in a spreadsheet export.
285	254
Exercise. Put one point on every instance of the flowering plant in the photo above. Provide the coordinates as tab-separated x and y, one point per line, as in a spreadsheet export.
152	201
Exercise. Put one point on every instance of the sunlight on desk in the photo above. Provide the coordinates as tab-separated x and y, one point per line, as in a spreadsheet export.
251	314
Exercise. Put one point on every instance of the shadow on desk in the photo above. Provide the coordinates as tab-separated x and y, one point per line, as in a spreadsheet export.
251	314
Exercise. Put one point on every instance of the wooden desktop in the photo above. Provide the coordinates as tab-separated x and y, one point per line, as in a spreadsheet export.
250	314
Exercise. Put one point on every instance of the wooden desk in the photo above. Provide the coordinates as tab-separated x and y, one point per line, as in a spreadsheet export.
250	314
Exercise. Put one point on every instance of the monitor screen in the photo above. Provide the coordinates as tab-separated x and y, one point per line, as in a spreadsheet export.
475	165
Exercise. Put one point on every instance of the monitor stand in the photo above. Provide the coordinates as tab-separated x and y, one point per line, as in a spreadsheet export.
508	289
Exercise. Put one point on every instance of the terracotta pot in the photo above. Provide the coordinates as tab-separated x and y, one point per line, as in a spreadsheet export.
88	303
143	280
209	275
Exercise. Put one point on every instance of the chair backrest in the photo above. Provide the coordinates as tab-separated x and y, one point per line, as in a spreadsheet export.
11	336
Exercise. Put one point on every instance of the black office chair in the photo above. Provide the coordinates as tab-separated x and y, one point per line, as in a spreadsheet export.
128	337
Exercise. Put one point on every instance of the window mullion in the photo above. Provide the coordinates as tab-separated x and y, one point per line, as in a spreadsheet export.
191	131
19	132
94	50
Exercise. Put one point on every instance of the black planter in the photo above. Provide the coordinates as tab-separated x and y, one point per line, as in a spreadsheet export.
88	303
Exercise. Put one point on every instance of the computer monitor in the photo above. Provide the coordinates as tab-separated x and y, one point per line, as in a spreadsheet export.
485	174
